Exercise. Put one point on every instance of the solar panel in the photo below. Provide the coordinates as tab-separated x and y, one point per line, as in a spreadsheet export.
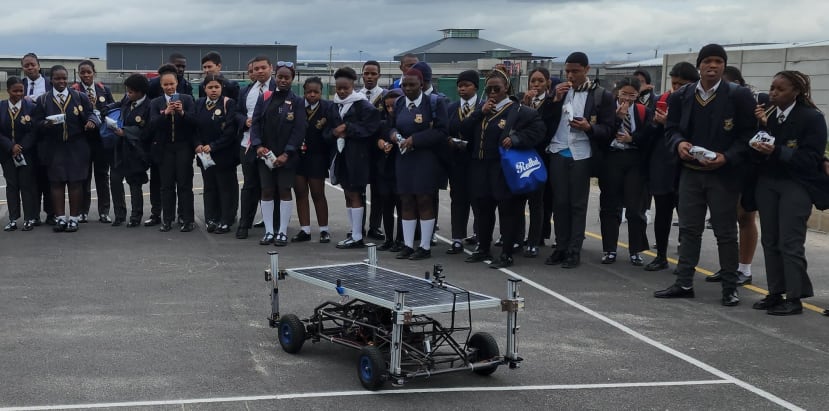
377	285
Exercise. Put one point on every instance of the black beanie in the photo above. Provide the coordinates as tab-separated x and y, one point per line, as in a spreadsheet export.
578	58
711	50
470	76
644	74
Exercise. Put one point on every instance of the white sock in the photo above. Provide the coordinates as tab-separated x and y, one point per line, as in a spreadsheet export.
74	218
285	209
409	227
322	228
267	215
357	223
350	217
427	227
745	269
306	229
63	217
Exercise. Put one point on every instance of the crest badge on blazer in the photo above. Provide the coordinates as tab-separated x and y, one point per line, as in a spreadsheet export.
791	143
728	124
593	120
75	111
502	123
418	118
290	116
218	112
102	99
320	123
138	119
25	119
79	108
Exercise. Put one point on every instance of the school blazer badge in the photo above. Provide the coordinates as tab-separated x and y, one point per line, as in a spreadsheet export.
791	143
320	123
728	124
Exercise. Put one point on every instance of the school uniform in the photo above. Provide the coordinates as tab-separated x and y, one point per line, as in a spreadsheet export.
251	192
661	176
230	89
622	182
130	160
541	201
16	127
314	153
100	96
352	165
155	90
36	88
33	90
279	125
217	128
459	194
65	151
785	198
487	185
419	170
379	183
173	149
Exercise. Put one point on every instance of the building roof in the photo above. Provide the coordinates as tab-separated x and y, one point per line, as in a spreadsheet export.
656	62
463	46
144	43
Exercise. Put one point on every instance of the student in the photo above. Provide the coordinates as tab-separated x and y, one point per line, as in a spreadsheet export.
261	75
173	123
459	111
783	195
387	181
621	181
717	116
406	62
572	154
374	94
313	165
353	123
215	140
100	96
646	96
500	122
66	151
183	86
35	85
211	63
662	166
129	157
419	127
277	129
17	141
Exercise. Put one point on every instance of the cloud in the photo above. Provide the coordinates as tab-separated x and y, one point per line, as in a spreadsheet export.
605	29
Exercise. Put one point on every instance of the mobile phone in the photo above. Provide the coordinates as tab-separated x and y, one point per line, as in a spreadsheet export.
174	97
578	118
662	106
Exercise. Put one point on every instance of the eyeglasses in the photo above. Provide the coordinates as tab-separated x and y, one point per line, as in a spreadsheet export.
628	95
493	89
287	64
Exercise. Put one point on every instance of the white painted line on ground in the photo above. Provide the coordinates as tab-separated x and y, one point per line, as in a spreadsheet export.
292	396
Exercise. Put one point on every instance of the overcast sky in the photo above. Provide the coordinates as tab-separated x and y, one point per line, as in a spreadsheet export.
605	29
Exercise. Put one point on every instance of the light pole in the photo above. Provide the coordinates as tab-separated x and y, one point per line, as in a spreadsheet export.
361	57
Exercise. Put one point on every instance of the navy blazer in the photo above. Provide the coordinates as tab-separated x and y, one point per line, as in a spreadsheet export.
130	151
291	124
454	117
521	123
241	104
161	126
23	131
103	95
230	89
78	113
155	91
217	128
362	125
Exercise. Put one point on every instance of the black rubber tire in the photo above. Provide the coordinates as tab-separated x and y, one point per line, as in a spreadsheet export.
486	348
291	333
371	368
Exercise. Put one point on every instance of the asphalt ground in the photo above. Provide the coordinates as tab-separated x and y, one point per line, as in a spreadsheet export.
119	318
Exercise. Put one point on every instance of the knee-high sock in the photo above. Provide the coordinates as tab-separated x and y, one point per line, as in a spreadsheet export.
350	217
357	223
427	227
285	209
267	215
409	227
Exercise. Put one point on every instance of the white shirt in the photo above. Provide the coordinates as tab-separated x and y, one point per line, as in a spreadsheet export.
18	105
39	87
631	114
706	94
502	103
471	101
785	112
416	102
429	90
250	104
376	92
139	101
312	106
574	139
64	93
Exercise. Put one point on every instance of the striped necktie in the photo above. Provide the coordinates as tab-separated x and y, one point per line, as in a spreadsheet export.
626	123
14	110
90	92
62	99
210	105
536	102
467	109
781	118
412	106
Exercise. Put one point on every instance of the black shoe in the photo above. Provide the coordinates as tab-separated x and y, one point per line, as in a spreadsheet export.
222	229
165	227
267	239
609	257
325	237
471	240
72	226
708	225
104	218
715	278
51	220
531	251
572	261
556	258
153	220
37	222
351	244
420	254
788	307
743	279
28	225
674	291
405	253
434	241
503	261
60	226
259	224
375	234
211	226
636	260
188	227
397	247
768	301
659	263
730	298
117	222
301	236
241	233
455	248
500	242
133	223
83	218
11	226
180	221
280	240
386	246
479	256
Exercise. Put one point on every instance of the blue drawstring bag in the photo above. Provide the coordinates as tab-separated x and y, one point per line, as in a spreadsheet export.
523	169
108	136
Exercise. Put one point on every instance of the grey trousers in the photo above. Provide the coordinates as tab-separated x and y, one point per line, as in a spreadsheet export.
698	192
784	207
